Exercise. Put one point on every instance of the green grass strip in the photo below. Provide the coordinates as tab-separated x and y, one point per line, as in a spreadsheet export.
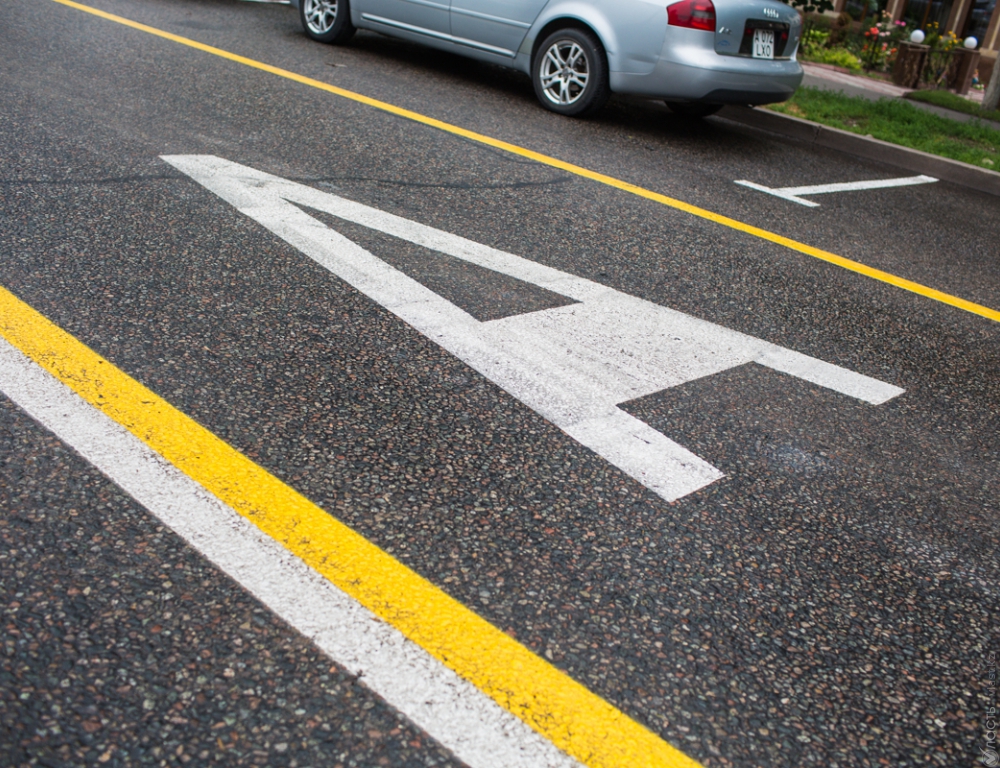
898	122
952	101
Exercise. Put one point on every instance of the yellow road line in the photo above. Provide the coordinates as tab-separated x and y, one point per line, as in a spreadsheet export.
808	250
574	719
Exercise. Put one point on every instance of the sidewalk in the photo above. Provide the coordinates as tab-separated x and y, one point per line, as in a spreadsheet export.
829	79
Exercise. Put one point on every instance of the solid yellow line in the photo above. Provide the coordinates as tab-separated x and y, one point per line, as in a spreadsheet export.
570	716
808	250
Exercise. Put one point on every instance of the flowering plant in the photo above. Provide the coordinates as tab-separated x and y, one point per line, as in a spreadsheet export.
881	42
940	57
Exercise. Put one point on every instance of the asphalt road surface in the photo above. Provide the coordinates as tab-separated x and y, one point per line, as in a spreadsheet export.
742	498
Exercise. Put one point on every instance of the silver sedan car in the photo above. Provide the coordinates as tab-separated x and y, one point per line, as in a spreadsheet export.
694	54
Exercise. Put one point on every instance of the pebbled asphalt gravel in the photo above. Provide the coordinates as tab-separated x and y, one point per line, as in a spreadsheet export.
121	646
832	601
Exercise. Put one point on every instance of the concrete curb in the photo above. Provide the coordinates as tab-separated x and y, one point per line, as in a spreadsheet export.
942	168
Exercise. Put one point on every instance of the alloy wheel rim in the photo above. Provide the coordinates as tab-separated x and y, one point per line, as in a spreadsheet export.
320	15
565	72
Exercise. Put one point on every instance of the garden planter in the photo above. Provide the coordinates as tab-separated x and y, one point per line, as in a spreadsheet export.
910	61
962	67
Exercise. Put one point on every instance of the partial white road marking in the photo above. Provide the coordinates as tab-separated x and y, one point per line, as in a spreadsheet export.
452	711
794	193
571	364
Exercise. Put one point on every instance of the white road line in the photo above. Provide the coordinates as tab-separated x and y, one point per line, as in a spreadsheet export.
795	193
855	186
452	711
572	364
777	193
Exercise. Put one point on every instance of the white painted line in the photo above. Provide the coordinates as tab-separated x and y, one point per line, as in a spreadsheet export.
794	193
452	711
777	193
572	364
857	186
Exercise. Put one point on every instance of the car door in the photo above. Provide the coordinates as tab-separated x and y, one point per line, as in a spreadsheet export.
498	26
429	17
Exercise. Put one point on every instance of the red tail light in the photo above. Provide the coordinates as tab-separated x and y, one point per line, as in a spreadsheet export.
694	14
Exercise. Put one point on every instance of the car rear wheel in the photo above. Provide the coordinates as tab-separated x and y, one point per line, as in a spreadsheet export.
328	21
570	73
692	108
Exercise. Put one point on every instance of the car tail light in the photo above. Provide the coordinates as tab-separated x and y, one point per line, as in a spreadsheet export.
694	14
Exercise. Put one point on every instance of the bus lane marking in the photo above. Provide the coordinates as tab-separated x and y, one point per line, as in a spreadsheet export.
795	194
571	364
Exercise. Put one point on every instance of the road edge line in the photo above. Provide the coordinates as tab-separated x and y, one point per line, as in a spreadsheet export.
576	720
450	710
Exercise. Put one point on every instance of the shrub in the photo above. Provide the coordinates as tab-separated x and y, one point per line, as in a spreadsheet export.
838	57
814	39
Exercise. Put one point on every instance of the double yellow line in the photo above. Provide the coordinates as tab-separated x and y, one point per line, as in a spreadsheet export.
680	205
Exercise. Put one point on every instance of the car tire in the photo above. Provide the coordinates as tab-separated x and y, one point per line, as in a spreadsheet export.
692	108
327	21
570	73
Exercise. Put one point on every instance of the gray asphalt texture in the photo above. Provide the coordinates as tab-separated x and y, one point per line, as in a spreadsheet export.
832	601
121	646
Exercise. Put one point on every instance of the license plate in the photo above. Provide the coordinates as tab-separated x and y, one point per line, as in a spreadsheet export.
763	43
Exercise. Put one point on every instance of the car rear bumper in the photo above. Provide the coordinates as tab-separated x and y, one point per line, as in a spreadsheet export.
689	69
